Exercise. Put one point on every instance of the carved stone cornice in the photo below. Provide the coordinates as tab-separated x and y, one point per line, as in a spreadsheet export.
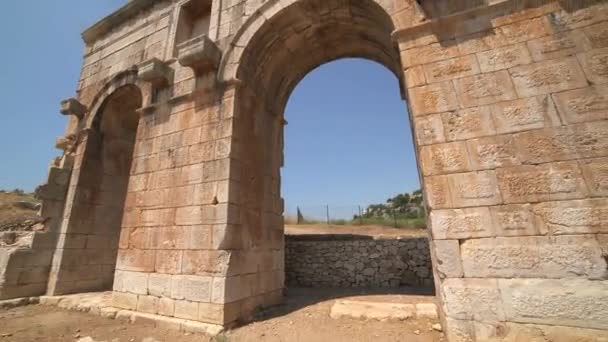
200	54
73	107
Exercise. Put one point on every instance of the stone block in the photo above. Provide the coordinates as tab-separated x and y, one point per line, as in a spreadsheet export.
484	89
414	76
124	300
597	35
371	310
218	313
557	181
437	192
468	123
451	69
147	304
474	189
595	172
447	258
166	306
586	140
587	216
136	260
428	53
595	65
524	114
434	98
132	282
159	284
199	53
230	289
477	299
461	223
568	302
460	330
548	77
504	58
558	45
514	220
533	257
444	158
186	309
192	288
168	261
206	262
429	129
492	152
513	332
582	105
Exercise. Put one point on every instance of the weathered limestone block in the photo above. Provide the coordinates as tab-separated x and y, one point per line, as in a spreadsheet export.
192	288
595	172
514	220
586	140
478	299
595	65
414	76
474	189
434	98
524	114
444	158
572	217
574	302
492	152
459	330
533	257
581	105
451	69
485	89
438	193
468	123
504	58
447	257
514	332
559	45
429	129
557	181
461	223
548	77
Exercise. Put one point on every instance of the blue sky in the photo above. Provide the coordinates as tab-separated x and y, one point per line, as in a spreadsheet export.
348	141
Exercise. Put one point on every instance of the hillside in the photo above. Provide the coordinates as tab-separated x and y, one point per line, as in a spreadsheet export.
18	211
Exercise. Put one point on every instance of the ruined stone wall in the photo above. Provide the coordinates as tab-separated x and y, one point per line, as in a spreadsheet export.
356	261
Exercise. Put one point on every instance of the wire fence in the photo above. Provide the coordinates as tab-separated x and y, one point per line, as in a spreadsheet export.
413	217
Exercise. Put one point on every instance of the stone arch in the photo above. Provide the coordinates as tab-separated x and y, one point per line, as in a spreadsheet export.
122	79
283	42
86	257
400	14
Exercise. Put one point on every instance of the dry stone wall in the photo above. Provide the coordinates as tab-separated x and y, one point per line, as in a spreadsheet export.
356	261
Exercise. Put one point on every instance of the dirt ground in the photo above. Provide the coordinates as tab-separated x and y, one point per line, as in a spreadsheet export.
304	317
314	229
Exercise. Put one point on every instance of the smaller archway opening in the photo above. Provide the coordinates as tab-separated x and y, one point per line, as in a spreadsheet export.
102	187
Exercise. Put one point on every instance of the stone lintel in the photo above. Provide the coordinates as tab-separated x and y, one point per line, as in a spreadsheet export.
200	54
105	25
155	71
73	107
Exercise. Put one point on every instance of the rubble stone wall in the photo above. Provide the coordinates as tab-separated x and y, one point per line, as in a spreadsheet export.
355	261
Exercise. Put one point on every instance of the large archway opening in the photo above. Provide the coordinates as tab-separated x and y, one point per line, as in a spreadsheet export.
297	39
